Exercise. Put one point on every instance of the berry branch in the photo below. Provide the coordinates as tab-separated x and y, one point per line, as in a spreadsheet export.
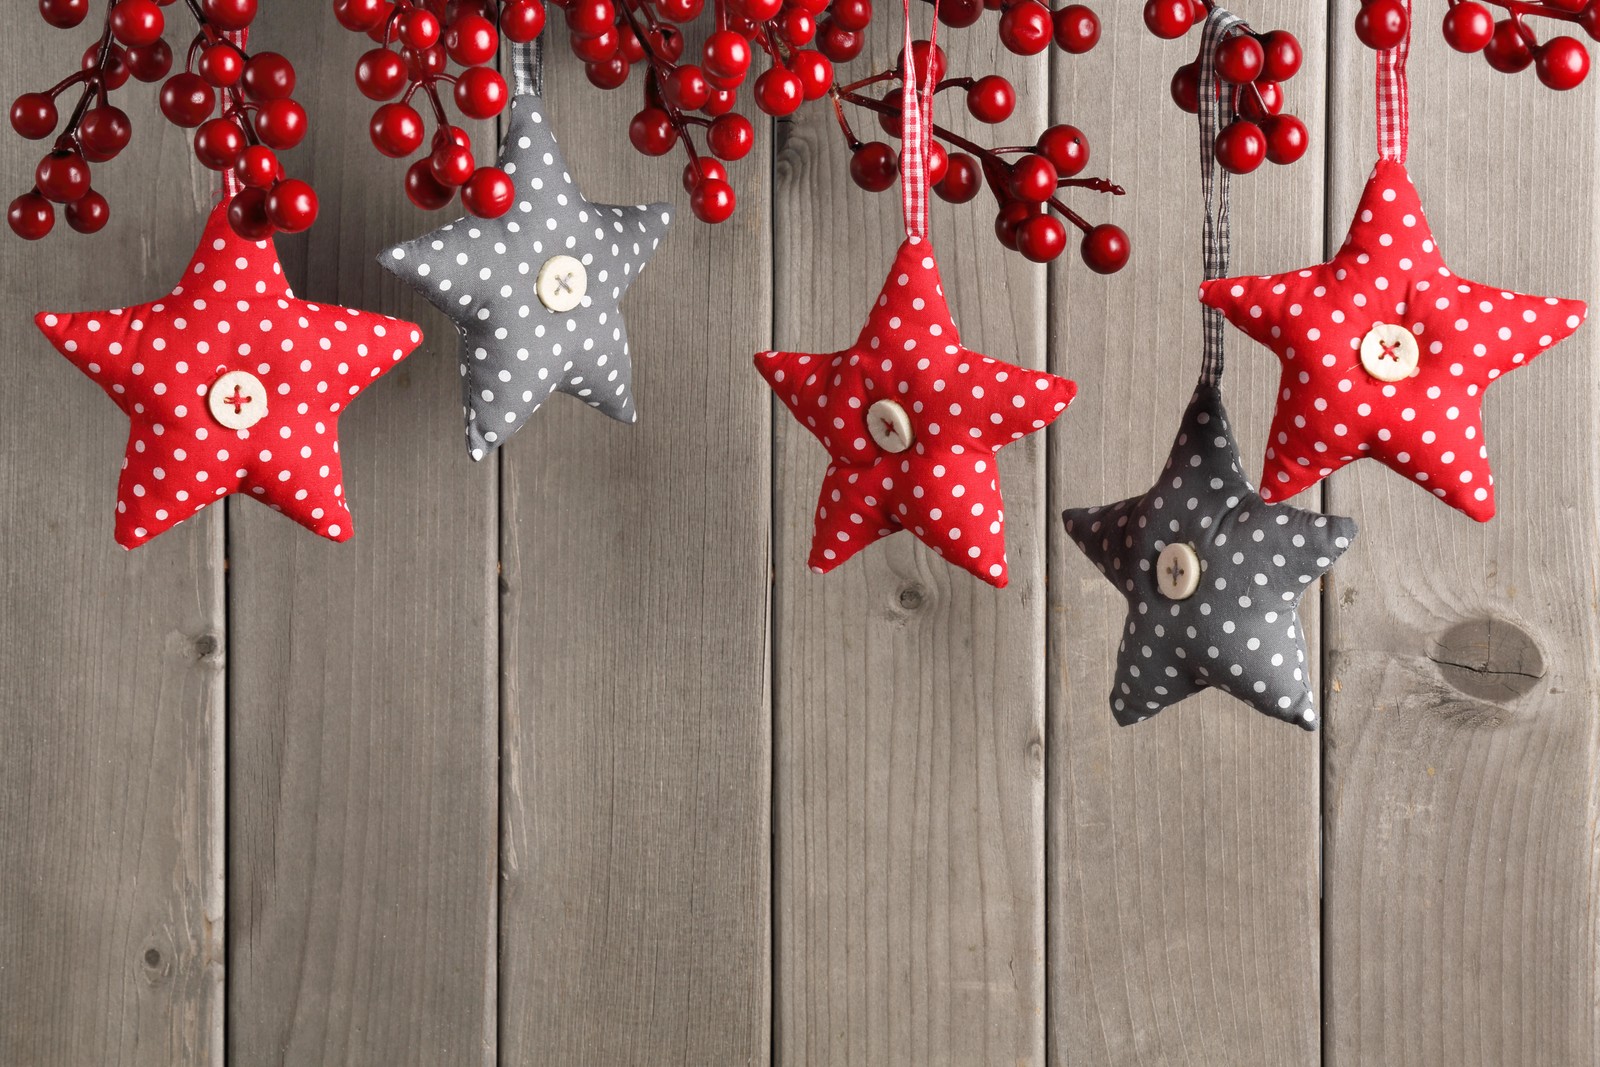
1508	44
241	104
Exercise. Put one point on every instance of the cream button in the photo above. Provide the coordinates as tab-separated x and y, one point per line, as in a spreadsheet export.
1177	572
238	400
561	284
1389	352
890	426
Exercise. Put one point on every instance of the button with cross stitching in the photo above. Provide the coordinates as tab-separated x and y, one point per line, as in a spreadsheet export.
561	284
238	400
1389	352
1177	572
890	426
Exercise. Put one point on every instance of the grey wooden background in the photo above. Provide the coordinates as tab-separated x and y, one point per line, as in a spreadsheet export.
568	760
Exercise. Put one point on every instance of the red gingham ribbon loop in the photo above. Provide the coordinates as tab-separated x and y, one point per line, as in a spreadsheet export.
231	185
916	130
1394	97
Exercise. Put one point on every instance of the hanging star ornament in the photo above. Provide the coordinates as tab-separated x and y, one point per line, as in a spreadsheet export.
231	385
1213	576
912	421
535	293
1386	353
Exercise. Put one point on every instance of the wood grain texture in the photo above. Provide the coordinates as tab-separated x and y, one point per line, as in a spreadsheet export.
1461	775
111	662
635	859
362	807
909	696
1183	851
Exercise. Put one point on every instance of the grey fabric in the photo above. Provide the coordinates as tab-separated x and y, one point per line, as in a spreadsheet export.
1240	631
481	272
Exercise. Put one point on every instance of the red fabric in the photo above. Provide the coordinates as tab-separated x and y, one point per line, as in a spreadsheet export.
232	311
1330	410
963	407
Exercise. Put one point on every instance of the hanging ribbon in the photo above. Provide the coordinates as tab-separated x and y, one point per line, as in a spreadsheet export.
916	129
1217	238
527	67
231	185
1394	97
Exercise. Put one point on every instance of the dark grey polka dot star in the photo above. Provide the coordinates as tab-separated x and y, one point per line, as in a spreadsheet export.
534	293
1213	577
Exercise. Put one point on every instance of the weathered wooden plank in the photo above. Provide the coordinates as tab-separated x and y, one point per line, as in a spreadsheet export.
362	810
635	886
111	663
1461	855
909	696
1183	876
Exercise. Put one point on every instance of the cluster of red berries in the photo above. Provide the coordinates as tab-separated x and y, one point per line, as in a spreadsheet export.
1253	67
417	41
258	116
1508	45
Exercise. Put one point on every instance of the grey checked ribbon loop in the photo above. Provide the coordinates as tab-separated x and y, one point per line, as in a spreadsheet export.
527	67
1216	240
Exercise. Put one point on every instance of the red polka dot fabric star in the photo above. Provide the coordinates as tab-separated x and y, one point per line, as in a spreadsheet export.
912	420
1386	353
230	385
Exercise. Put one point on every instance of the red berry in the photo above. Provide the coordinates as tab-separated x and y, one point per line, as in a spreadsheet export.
292	205
488	193
424	190
815	72
797	27
471	40
1168	19
137	22
31	216
258	167
219	143
962	179
396	130
1033	178
839	44
418	28
1041	238
452	165
150	62
1468	26
1562	63
1260	100
34	116
608	73
1066	148
1589	19
522	20
63	15
730	137
924	53
221	65
480	93
591	18
681	10
991	99
851	14
960	13
726	55
1241	147
873	166
1287	139
89	213
1382	24
652	132
281	124
1240	59
104	132
116	71
712	201
720	103
1186	87
1025	28
1507	50
698	170
595	49
1281	56
247	214
380	74
1106	249
229	14
685	87
268	76
1012	215
1077	29
760	10
62	177
186	100
361	16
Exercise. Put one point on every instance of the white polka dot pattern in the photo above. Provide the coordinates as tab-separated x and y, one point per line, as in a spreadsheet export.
232	311
483	273
1331	410
962	409
1240	631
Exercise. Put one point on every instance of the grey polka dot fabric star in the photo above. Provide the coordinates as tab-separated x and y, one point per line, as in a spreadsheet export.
1239	629
534	293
